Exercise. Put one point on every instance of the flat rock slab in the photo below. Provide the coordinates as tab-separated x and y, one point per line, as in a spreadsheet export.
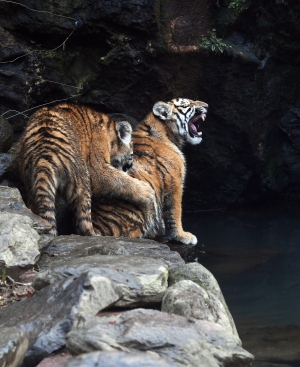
12	202
119	359
13	346
204	278
142	280
188	299
49	315
181	341
78	246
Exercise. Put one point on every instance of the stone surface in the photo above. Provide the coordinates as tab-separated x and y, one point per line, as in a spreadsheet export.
5	161
119	359
13	346
142	280
204	278
55	360
6	135
49	315
77	246
185	342
188	299
11	201
19	242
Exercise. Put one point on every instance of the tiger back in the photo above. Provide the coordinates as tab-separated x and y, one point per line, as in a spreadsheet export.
159	161
77	152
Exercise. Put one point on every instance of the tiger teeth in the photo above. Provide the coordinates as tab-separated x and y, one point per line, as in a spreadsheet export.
203	117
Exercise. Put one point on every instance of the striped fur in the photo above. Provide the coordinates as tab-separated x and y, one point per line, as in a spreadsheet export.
158	160
76	152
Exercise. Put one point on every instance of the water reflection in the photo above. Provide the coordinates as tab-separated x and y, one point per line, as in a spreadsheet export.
255	254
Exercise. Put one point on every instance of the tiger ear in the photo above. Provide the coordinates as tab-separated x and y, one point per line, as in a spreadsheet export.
124	131
162	110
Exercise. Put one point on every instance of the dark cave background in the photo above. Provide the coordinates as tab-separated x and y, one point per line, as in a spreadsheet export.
241	57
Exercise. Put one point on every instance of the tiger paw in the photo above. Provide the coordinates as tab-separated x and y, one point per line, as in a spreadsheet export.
186	238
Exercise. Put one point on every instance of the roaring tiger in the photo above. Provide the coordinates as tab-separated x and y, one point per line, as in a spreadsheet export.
158	160
77	152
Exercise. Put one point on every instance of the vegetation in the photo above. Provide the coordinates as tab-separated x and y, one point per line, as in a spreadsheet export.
237	6
213	43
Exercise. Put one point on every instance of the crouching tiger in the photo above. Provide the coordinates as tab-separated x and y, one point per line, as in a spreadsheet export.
158	160
76	152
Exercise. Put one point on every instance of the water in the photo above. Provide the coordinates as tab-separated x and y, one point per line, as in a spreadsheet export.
254	253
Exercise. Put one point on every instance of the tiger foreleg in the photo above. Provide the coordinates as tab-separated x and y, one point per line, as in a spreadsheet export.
173	222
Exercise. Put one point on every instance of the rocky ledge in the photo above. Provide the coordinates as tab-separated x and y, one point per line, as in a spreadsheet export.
106	301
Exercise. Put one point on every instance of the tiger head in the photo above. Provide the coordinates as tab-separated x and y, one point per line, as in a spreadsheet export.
183	117
122	153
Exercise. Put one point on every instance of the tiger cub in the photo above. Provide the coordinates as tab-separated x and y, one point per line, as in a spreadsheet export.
158	160
76	152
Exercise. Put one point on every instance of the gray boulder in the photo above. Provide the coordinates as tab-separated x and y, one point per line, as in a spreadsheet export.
5	162
119	359
181	341
19	242
50	314
12	202
204	278
188	299
13	346
142	280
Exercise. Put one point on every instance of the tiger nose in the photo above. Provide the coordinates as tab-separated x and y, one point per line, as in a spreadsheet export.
127	166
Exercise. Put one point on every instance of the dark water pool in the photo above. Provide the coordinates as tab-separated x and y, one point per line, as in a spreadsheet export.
255	255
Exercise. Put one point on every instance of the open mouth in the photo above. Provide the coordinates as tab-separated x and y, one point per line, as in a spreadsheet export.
194	124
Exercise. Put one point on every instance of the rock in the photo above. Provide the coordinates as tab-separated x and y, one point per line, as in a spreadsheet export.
289	126
6	135
188	299
11	201
19	242
58	359
13	346
204	278
184	342
5	162
77	246
142	280
49	315
119	359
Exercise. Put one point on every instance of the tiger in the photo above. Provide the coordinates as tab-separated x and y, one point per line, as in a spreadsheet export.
74	152
159	161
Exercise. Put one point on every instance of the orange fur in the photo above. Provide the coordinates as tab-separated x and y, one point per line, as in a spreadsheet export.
158	160
77	152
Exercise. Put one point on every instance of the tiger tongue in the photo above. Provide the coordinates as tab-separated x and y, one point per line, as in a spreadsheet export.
193	127
195	131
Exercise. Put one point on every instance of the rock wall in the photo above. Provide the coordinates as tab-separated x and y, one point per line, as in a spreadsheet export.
241	57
